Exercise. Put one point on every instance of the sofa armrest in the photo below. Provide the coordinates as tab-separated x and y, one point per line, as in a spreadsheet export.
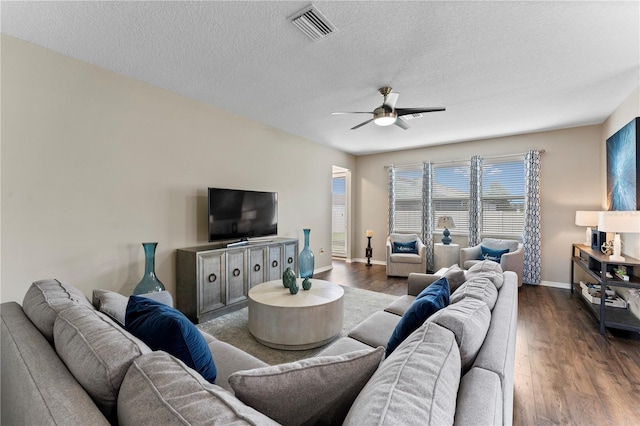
417	282
514	261
470	253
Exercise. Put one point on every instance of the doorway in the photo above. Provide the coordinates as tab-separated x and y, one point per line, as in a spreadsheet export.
340	196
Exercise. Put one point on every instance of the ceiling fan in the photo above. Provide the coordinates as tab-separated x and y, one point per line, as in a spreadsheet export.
387	113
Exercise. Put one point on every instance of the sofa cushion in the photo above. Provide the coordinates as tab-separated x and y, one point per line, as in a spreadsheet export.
479	398
487	269
230	359
405	258
405	247
429	301
161	390
111	303
479	288
469	321
491	254
165	328
416	385
45	298
376	329
316	390
400	305
97	351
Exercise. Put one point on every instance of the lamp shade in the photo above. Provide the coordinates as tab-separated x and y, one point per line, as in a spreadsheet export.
619	221
445	222
586	218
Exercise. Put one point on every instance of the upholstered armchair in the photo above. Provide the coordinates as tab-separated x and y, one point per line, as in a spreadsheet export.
409	256
511	260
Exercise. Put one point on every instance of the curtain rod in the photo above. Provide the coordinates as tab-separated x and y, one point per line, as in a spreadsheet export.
466	159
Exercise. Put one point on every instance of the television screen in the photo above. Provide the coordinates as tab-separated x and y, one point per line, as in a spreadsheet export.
238	214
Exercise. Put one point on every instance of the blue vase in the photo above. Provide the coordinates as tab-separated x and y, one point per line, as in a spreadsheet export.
149	282
305	260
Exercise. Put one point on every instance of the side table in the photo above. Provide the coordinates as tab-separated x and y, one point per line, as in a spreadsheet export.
445	255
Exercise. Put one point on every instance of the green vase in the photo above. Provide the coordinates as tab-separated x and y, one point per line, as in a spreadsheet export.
288	277
306	284
293	287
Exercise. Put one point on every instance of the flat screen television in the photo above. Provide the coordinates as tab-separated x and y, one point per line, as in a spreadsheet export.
236	214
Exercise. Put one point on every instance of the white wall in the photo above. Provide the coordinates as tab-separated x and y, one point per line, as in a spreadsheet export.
627	111
570	180
94	163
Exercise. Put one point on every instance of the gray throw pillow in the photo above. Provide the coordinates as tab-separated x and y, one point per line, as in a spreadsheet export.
316	390
487	269
469	321
416	385
479	288
455	276
45	298
161	390
111	303
97	352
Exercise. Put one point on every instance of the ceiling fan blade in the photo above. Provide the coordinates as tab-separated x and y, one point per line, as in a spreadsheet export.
392	98
352	112
401	123
362	124
407	111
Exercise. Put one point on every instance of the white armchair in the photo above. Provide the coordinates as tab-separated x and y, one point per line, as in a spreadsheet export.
511	261
402	264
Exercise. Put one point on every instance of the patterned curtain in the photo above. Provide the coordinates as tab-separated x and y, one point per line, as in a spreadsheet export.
427	212
531	233
392	198
475	201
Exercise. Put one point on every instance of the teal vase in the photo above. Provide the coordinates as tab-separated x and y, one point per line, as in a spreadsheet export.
306	260
293	287
149	282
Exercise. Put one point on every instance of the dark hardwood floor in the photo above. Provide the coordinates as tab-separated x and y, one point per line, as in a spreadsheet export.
565	371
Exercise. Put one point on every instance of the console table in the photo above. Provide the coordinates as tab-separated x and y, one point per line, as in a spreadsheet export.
596	265
214	280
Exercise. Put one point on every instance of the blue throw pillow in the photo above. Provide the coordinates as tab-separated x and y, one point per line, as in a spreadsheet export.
164	328
408	247
492	254
428	302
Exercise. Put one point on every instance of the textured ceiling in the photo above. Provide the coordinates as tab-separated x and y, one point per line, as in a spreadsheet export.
500	68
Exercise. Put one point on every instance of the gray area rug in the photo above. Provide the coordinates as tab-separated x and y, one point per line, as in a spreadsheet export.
233	328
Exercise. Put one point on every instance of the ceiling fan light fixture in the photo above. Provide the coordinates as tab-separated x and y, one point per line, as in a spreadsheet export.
385	120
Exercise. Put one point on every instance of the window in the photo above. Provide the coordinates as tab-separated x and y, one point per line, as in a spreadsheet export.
408	199
339	216
503	197
451	195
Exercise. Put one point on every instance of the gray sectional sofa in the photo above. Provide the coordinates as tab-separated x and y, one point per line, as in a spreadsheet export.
65	362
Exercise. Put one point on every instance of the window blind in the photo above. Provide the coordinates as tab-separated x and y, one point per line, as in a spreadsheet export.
451	195
408	199
503	191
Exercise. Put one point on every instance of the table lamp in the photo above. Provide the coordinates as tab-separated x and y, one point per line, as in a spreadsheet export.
619	222
446	222
588	219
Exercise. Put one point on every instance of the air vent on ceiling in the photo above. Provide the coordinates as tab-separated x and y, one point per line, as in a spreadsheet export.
313	23
412	116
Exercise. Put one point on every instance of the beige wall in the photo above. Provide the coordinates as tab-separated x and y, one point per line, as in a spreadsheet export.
570	180
94	163
628	110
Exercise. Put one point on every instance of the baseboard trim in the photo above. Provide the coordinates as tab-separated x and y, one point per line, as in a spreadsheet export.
373	262
554	284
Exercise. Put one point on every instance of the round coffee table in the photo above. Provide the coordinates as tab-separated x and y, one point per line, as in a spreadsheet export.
309	319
